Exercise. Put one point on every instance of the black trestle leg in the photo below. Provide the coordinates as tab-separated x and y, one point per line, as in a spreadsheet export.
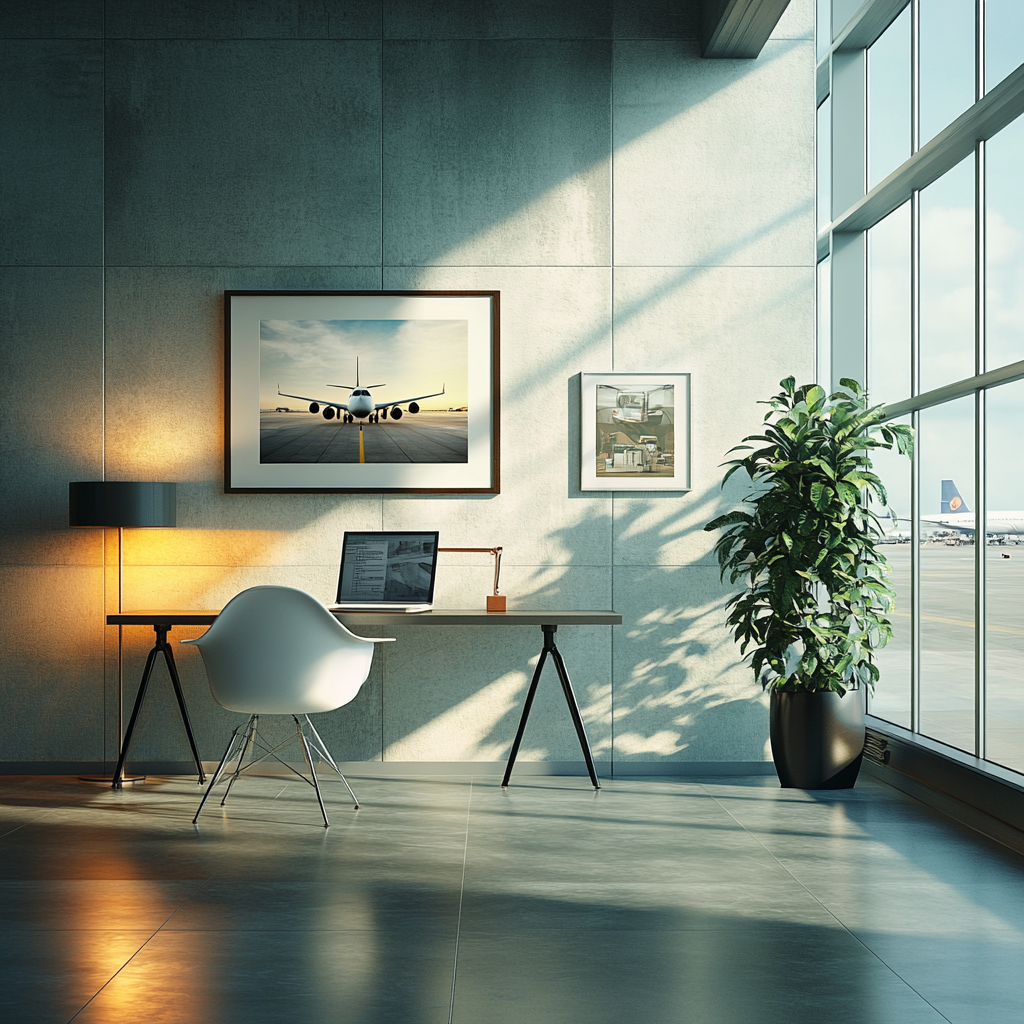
570	699
160	647
574	710
139	698
176	683
530	694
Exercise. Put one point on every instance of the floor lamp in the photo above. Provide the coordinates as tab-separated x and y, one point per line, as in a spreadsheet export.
126	505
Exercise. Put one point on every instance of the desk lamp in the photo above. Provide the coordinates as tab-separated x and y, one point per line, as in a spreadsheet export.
495	601
124	504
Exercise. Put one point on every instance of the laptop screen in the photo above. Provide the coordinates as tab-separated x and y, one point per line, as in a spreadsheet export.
388	566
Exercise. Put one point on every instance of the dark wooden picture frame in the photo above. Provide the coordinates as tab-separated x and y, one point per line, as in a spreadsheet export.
323	392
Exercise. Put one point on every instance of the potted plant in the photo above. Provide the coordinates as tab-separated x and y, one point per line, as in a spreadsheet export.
816	605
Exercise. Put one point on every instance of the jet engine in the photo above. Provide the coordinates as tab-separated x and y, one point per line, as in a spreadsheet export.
413	407
329	413
396	413
313	407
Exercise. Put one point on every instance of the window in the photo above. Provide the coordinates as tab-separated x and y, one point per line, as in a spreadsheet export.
933	266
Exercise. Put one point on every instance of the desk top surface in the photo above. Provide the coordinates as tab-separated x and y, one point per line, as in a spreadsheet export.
436	617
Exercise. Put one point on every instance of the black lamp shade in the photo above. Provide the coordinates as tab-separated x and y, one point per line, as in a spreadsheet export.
122	503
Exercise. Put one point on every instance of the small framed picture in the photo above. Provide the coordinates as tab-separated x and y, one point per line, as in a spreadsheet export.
635	431
361	392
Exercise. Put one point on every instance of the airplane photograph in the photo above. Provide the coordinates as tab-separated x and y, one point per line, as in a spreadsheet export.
322	364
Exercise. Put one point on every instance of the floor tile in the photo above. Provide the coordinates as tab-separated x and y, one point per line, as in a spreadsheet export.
49	976
251	977
767	974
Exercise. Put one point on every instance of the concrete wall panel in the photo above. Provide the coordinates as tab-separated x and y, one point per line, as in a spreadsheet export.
243	153
51	409
657	19
51	161
493	19
51	663
496	153
52	19
702	177
681	691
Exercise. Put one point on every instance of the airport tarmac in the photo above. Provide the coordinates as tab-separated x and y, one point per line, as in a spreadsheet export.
947	648
429	437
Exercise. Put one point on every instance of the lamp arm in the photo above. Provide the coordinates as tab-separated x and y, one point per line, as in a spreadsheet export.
497	566
490	551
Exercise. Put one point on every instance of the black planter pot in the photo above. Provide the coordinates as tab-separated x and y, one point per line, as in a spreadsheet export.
817	738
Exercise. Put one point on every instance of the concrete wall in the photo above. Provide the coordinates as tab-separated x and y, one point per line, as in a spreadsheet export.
639	209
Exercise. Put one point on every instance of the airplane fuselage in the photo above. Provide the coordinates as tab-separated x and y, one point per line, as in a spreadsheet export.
360	403
1004	523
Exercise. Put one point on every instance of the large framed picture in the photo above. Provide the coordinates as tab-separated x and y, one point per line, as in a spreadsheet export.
361	391
635	432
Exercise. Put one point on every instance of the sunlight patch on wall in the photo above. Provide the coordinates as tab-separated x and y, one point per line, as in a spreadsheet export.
557	228
462	731
663	743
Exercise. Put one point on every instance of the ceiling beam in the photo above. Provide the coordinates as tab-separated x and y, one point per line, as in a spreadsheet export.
737	28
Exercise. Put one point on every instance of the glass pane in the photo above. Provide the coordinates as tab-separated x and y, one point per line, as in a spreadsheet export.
842	12
889	308
889	100
824	144
823	28
947	572
947	63
1004	246
823	369
1004	39
947	278
1004	632
891	699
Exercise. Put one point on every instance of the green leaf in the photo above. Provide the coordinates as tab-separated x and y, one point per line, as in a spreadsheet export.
729	519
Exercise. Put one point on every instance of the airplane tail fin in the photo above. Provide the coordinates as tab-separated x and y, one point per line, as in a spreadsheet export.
951	500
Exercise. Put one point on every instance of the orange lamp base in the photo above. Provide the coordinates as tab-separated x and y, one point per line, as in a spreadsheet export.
496	602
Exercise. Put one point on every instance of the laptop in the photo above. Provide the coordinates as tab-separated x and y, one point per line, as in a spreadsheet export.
387	571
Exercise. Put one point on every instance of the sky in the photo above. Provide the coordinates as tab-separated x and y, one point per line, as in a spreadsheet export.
946	442
410	357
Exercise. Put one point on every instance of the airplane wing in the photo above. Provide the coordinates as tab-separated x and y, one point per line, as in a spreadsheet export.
403	401
950	523
319	401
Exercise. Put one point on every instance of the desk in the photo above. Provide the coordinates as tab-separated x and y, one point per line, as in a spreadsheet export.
549	621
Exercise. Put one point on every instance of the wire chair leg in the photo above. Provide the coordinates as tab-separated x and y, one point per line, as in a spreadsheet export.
217	774
312	770
247	743
322	747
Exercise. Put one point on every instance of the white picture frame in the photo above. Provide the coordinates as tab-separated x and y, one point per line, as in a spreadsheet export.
635	432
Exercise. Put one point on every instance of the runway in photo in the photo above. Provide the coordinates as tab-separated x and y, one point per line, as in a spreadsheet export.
947	647
434	437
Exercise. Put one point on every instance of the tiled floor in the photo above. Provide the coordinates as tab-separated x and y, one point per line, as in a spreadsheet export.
715	902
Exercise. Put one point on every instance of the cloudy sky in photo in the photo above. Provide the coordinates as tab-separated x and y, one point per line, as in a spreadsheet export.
411	357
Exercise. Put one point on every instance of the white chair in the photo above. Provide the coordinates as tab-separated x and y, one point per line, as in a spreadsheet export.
279	651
